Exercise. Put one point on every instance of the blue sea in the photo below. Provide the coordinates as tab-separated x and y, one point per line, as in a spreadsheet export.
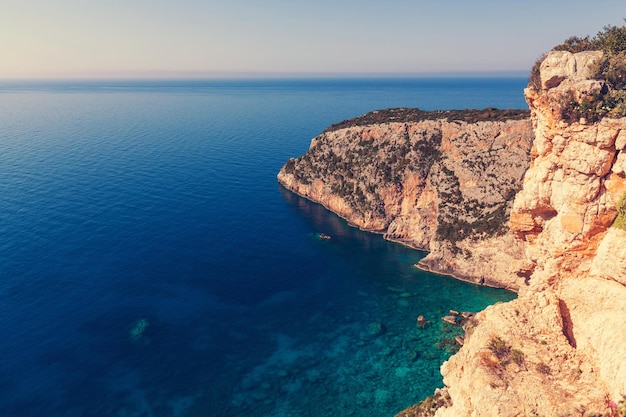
151	265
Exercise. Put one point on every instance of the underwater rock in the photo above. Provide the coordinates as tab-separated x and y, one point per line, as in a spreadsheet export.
422	322
138	330
376	329
388	351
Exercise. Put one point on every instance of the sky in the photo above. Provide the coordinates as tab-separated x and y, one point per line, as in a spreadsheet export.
246	38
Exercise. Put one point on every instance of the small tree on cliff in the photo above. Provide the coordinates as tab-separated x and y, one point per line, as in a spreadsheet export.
611	40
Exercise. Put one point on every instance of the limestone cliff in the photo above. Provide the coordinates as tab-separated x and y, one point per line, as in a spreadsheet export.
567	325
441	181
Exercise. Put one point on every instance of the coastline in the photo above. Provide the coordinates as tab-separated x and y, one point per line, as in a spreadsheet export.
433	185
488	282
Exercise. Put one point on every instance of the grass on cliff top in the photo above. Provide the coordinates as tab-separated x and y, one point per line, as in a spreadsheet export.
404	115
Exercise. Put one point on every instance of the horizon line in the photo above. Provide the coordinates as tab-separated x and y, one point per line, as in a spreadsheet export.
199	76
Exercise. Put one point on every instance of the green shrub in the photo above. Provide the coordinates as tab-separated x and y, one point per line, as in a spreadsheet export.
611	40
591	109
499	348
613	70
620	220
575	44
535	77
428	407
517	356
504	354
542	368
290	166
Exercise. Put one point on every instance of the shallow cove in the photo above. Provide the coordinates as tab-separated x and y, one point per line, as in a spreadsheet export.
370	357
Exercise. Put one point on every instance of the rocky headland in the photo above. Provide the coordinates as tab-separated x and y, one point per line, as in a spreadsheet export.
442	182
525	201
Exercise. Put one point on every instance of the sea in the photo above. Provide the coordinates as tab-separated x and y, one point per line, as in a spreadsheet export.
152	266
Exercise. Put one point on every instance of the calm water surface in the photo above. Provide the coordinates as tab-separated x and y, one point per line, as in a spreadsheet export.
150	264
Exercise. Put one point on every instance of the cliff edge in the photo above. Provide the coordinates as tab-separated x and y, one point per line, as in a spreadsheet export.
560	348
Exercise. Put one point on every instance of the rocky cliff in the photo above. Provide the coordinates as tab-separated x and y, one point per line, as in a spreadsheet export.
560	348
485	204
441	181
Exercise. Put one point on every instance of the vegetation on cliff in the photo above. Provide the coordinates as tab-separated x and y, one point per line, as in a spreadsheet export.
406	115
610	100
620	220
356	168
429	406
460	216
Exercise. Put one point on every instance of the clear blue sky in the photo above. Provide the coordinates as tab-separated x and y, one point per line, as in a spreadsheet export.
195	38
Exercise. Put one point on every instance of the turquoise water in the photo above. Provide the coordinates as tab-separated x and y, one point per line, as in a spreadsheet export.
150	264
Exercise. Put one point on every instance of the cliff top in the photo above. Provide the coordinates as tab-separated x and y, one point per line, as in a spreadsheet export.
588	76
403	115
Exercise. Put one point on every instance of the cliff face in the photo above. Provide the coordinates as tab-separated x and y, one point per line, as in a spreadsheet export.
452	187
442	182
568	321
